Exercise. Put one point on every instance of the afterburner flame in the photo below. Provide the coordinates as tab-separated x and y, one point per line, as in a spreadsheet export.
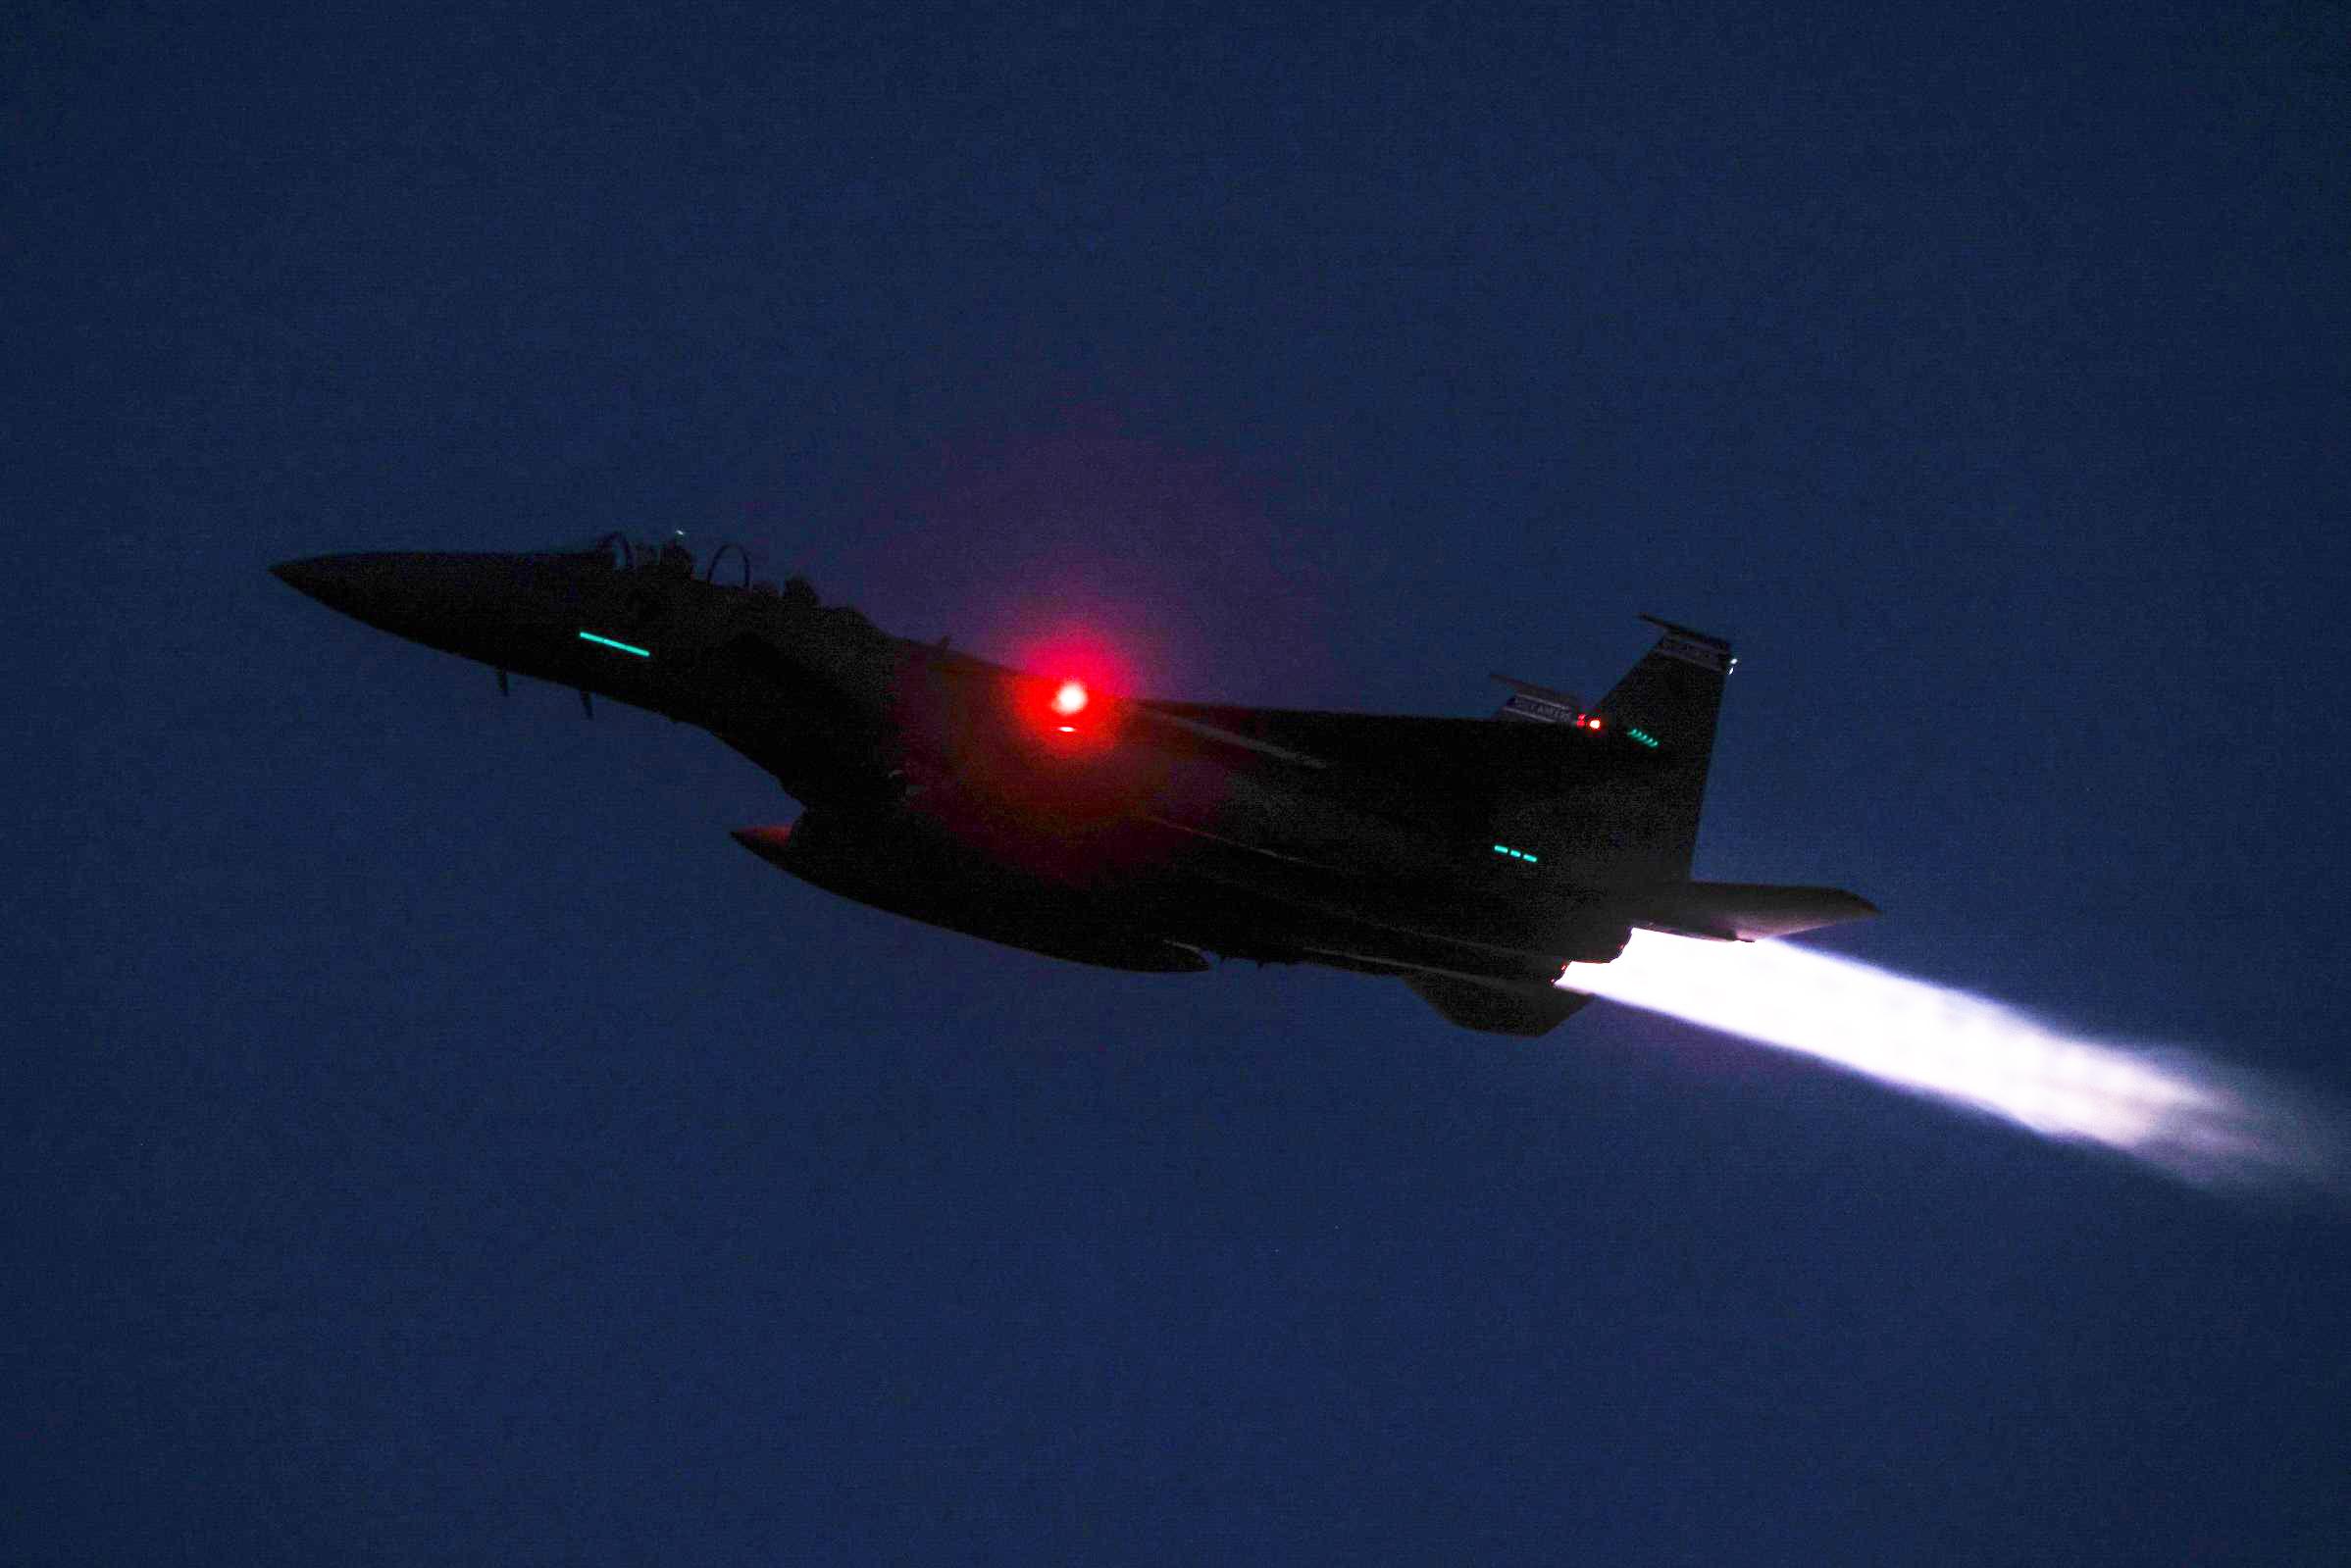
2168	1108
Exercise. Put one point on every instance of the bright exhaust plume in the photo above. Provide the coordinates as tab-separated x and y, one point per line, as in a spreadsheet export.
2173	1110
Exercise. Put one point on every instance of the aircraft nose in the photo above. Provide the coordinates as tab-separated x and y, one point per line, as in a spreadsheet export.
328	579
431	597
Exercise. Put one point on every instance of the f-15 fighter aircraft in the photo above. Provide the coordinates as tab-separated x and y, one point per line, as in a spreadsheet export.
1471	858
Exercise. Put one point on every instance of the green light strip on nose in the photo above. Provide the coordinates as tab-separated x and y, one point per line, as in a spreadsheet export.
1516	854
625	647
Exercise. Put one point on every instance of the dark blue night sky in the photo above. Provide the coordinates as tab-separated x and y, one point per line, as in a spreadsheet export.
430	1138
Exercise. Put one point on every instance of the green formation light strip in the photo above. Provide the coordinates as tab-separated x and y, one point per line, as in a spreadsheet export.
1516	854
1645	738
607	643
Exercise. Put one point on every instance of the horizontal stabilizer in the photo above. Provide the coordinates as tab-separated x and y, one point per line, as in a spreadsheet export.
1743	911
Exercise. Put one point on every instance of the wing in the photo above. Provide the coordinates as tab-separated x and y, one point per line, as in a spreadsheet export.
1414	754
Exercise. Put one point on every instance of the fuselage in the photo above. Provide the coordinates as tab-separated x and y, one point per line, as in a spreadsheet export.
958	792
1471	858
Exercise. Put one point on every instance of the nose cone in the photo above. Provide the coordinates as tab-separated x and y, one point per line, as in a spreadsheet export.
445	600
335	580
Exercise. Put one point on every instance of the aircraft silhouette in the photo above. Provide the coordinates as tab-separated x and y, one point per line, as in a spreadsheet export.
1472	858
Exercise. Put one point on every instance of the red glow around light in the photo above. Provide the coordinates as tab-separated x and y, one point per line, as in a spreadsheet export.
1069	697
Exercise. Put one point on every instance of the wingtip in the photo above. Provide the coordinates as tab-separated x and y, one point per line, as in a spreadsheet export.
765	842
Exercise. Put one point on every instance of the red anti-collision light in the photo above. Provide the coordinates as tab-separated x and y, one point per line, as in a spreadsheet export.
1070	699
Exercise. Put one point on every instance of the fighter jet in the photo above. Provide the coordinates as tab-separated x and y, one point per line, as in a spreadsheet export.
1471	858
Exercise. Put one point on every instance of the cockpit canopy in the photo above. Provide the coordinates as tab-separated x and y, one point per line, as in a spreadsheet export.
728	566
671	556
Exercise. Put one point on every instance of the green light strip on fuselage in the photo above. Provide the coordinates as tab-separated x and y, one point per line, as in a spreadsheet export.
1645	738
625	647
1516	854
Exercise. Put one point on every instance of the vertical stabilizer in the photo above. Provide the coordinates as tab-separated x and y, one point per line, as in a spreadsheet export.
1634	821
1672	699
